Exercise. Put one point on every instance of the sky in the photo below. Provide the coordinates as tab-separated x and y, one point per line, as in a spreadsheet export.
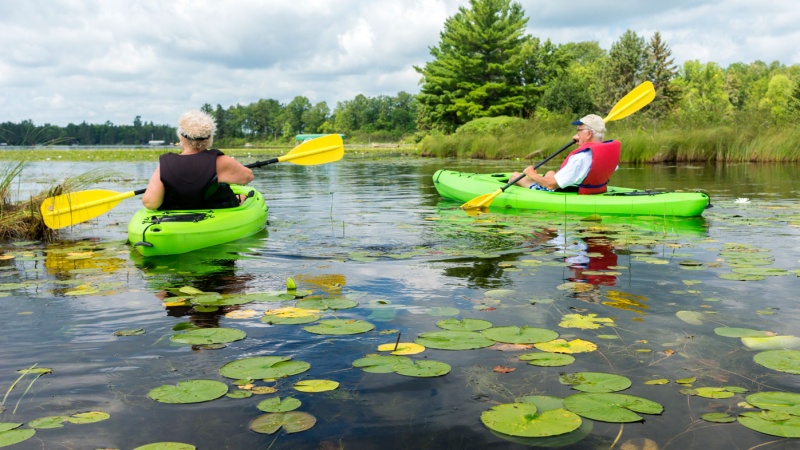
74	61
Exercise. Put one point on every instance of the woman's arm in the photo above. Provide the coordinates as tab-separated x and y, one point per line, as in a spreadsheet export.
232	172
154	194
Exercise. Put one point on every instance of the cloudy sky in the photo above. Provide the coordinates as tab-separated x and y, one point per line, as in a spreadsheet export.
70	61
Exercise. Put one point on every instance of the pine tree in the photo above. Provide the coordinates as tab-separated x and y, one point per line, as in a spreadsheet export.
661	70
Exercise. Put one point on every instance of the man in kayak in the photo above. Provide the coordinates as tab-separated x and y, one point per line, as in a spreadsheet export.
199	176
585	170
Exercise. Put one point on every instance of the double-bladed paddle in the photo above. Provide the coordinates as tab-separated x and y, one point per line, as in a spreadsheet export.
76	207
636	99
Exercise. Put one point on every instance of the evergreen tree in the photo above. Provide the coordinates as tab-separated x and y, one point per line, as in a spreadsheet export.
476	67
622	71
661	70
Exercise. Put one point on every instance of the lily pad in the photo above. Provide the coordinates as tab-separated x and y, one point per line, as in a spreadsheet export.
263	367
166	446
192	391
690	317
587	322
291	422
771	342
379	364
464	325
595	381
203	336
340	327
275	404
129	332
786	402
547	359
48	422
401	348
523	419
326	303
783	425
291	316
315	385
519	335
220	300
713	392
453	340
781	360
421	369
615	408
11	437
563	346
88	417
739	332
719	417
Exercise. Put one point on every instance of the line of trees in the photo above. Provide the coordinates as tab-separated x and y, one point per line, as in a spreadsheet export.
485	65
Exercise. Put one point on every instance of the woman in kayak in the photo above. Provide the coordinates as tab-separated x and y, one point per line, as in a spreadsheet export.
198	177
587	169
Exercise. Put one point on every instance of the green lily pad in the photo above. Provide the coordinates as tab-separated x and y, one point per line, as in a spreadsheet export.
761	271
220	300
315	385
547	359
739	332
564	346
192	391
263	367
519	335
595	381
741	277
781	360
48	422
771	342
11	437
782	425
786	402
615	408
292	422
203	336
713	392
718	417
290	316
322	304
523	419
421	369
166	446
88	417
453	340
340	327
130	332
5	426
690	317
275	404
380	364
464	325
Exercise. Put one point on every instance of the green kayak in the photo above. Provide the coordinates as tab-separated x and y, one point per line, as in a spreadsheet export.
173	232
464	186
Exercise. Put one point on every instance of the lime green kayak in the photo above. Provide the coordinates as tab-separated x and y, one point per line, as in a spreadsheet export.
464	186
173	232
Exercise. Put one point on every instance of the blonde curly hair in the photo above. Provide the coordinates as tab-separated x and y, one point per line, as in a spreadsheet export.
196	128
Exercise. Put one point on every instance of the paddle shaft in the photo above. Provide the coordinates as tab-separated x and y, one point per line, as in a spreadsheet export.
514	181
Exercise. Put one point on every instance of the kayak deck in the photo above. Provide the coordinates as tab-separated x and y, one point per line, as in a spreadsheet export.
174	232
465	186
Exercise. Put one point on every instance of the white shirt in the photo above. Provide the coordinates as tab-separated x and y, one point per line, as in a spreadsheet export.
575	171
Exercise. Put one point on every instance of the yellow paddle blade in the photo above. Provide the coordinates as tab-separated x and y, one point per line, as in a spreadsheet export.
482	201
76	207
321	150
636	99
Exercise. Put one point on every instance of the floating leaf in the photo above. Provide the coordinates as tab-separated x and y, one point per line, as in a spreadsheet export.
292	422
787	402
379	364
204	336
401	348
130	332
326	303
275	404
453	340
166	446
739	332
340	327
562	346
464	325
315	385
523	419
263	367
422	369
519	335
784	426
760	271
712	392
48	422
547	359
718	417
290	316
588	322
616	408
771	342
690	317
11	437
88	417
781	360
595	381
657	381
192	391
241	314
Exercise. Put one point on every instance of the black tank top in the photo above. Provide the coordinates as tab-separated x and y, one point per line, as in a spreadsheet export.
190	182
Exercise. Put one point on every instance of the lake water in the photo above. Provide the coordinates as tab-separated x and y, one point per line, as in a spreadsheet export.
374	231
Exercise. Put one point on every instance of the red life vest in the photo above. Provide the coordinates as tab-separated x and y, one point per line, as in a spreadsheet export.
605	159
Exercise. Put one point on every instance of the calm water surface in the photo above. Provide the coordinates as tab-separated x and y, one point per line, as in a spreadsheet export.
375	231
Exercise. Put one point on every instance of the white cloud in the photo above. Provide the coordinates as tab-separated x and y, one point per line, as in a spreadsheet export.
97	60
